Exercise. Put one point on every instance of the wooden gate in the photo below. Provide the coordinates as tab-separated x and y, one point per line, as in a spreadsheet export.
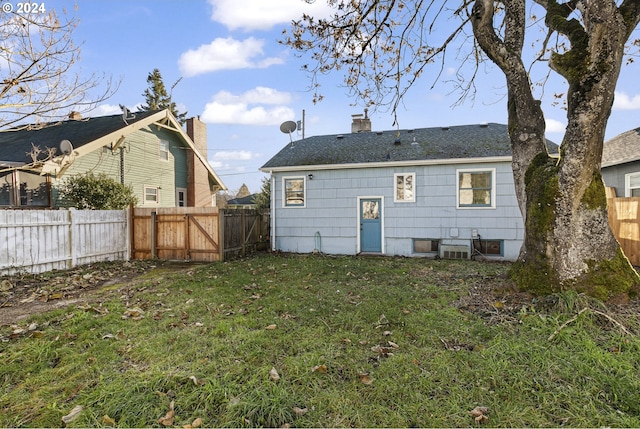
180	233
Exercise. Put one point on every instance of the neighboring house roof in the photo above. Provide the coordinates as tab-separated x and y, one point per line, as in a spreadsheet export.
244	201
418	146
622	148
86	135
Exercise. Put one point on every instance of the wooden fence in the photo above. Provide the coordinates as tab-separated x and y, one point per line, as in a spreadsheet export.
36	241
624	218
188	233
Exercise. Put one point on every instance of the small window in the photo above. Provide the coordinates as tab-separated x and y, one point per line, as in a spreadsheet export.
294	192
404	190
632	185
421	245
164	150
181	197
476	188
150	195
488	247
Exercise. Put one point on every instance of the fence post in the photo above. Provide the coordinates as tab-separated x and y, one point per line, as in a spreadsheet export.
72	237
153	235
221	233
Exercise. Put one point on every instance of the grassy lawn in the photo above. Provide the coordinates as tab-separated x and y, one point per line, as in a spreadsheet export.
313	341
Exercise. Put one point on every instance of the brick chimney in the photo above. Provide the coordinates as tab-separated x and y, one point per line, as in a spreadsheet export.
198	190
361	124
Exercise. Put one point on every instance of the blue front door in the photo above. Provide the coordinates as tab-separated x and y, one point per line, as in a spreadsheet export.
371	225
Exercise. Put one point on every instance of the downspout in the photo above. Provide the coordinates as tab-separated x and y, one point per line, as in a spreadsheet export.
273	212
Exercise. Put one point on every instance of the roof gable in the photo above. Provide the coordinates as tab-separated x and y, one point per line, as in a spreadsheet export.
86	135
622	148
423	144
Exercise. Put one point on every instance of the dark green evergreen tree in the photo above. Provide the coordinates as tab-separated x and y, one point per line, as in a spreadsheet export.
157	98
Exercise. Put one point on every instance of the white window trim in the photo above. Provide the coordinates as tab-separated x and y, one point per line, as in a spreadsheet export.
144	195
627	183
493	188
284	192
161	151
395	188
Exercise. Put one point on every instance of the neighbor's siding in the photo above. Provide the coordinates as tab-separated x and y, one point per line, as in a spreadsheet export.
142	165
614	176
331	210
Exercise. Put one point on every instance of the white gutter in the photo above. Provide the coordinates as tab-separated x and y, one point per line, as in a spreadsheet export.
273	212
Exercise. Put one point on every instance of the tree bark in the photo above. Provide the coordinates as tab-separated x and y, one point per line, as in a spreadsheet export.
568	241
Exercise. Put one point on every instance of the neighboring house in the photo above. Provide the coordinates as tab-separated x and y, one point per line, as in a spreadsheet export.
247	202
621	163
165	166
422	192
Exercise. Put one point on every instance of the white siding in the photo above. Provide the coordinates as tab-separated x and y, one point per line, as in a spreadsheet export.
331	210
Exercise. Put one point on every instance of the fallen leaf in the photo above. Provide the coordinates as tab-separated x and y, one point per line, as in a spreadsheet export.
479	414
386	333
405	311
133	313
74	414
300	411
107	421
168	418
273	375
196	381
320	368
195	424
365	379
498	305
393	345
271	327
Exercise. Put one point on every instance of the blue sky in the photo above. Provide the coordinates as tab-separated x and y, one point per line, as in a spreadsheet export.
244	84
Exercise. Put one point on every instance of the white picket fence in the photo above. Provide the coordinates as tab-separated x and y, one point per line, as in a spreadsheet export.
36	241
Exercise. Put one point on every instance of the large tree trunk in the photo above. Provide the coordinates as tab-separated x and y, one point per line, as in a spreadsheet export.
568	241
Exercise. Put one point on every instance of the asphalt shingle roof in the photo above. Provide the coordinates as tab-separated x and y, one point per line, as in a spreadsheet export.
14	145
622	148
465	141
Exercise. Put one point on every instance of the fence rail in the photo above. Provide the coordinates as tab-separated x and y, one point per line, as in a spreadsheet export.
36	241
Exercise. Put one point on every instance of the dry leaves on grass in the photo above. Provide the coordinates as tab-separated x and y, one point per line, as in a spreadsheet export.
479	414
73	414
322	369
168	418
273	375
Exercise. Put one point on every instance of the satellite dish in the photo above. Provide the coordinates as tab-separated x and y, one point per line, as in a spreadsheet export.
288	127
66	147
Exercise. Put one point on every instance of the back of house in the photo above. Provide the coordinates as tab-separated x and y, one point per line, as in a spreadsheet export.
441	192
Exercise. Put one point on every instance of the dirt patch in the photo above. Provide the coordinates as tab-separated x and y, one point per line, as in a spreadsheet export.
24	295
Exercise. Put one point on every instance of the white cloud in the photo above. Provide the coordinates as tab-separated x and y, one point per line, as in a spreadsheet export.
258	95
248	108
623	101
264	14
234	155
226	54
554	126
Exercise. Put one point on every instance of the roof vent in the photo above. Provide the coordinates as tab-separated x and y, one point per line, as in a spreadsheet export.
339	136
379	133
484	125
397	141
414	142
445	128
409	131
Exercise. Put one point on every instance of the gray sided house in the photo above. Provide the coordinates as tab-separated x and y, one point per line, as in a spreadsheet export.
621	163
446	192
165	166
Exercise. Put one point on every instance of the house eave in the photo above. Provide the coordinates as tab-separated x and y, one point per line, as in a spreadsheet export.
423	162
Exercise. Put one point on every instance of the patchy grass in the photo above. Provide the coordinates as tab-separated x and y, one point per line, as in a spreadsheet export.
356	342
